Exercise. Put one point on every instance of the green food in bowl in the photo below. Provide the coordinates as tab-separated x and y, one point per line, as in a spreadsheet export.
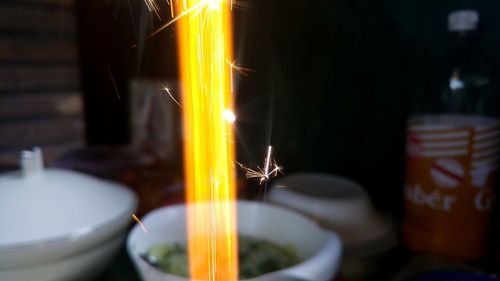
256	257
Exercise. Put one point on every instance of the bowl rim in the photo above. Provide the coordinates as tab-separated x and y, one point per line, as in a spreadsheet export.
73	235
77	233
360	192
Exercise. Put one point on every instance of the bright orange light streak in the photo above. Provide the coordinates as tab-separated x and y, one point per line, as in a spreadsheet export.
204	44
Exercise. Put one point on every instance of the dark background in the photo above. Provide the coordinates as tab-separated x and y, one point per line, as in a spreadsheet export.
331	85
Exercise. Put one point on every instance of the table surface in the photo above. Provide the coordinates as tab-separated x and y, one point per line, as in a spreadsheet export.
120	269
396	265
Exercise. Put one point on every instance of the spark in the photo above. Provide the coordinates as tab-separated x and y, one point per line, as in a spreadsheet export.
239	69
171	4
140	223
153	7
241	5
268	160
166	89
271	169
195	8
113	81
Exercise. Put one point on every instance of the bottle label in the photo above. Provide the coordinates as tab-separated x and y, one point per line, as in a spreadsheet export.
451	170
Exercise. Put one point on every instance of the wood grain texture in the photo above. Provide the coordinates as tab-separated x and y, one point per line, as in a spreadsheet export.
36	51
38	105
19	18
16	78
39	132
40	100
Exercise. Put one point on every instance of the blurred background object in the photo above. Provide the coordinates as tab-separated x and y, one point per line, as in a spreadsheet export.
453	135
341	205
428	267
40	97
330	85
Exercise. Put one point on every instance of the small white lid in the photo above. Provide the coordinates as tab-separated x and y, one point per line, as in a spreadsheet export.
43	205
334	202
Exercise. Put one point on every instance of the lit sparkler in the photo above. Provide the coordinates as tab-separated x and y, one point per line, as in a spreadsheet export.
204	44
140	223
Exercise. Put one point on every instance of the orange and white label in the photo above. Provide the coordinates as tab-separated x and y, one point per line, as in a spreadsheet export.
451	171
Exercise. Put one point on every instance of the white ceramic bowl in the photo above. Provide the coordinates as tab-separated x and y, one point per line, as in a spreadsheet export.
60	225
342	205
319	250
333	201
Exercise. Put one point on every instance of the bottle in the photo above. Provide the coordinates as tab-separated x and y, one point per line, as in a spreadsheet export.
452	152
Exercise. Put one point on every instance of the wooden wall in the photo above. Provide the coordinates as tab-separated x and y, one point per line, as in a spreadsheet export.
40	102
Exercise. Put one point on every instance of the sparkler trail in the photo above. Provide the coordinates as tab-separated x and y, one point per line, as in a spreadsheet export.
140	223
166	89
241	5
267	160
197	7
240	69
171	4
204	46
153	7
113	81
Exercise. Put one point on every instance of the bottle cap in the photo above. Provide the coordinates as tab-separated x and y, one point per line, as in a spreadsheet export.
463	20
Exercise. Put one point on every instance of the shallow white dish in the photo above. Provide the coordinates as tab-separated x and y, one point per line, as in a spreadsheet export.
61	225
319	250
333	201
342	205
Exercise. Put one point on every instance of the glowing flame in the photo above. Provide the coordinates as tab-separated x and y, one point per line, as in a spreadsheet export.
204	44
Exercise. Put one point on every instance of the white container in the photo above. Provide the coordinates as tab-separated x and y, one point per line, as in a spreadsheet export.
59	225
342	205
335	202
319	250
